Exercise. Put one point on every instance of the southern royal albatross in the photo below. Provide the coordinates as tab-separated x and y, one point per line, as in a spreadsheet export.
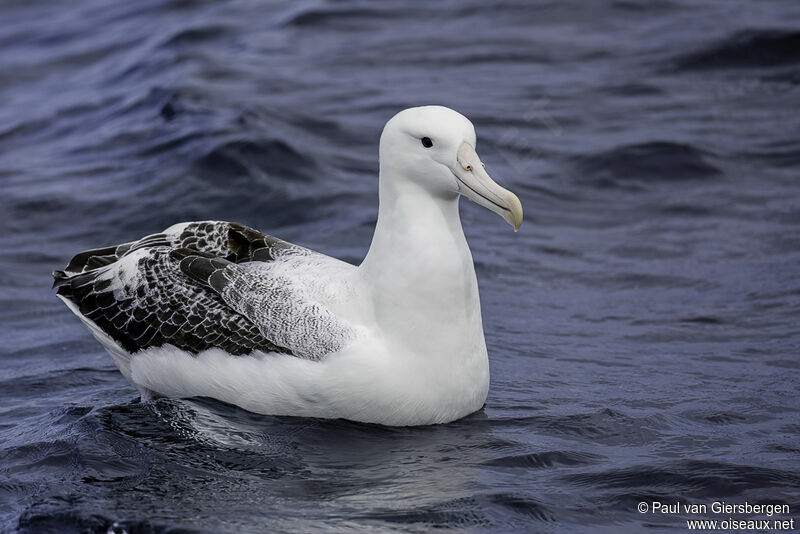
218	309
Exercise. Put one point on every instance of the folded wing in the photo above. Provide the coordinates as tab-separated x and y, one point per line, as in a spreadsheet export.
194	286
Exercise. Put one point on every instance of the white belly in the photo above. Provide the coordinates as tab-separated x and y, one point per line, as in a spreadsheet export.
361	383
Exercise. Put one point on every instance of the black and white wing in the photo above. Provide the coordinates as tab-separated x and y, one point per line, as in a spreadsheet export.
269	295
155	291
232	241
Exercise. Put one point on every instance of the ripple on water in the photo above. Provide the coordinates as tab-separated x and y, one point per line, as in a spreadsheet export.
641	326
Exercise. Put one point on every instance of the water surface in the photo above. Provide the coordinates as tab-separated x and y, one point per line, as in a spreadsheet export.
642	326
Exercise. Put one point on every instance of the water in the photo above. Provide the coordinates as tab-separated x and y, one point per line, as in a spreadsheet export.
642	326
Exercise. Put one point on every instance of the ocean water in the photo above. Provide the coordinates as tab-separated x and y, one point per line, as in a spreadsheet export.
642	325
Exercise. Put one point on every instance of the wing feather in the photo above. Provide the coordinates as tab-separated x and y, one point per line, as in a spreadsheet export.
143	300
187	286
233	241
273	302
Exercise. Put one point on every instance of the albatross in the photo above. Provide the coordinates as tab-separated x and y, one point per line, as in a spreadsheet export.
218	309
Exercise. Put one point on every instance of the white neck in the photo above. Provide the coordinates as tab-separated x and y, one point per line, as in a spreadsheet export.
420	268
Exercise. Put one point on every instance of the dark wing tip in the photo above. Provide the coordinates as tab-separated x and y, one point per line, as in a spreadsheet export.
59	278
201	267
85	260
244	242
247	244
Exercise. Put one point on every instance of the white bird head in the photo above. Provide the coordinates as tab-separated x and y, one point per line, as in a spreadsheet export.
434	147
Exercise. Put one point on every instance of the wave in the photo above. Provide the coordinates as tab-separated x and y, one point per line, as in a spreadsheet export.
746	49
545	459
640	163
695	478
253	159
472	511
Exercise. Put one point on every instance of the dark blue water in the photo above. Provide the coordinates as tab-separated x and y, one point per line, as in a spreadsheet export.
642	326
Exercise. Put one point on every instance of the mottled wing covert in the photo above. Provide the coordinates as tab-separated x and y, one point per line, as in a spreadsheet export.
144	300
137	294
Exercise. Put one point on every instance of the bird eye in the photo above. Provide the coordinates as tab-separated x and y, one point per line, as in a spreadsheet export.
426	142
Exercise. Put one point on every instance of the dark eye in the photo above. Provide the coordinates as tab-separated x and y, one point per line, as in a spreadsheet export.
426	142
